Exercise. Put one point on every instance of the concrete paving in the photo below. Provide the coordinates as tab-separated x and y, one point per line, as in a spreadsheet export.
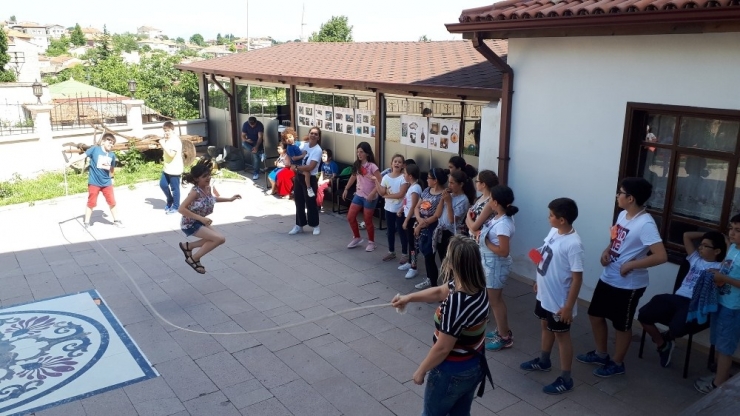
360	363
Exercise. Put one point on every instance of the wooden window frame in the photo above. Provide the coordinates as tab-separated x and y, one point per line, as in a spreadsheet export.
634	140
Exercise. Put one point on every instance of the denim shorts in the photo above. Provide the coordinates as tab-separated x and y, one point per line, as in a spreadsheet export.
496	269
358	200
725	329
193	228
451	393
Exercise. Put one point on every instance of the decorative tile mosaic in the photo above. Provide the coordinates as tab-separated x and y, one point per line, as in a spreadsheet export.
62	349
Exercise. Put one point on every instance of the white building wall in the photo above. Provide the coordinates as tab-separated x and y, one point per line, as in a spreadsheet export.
568	123
489	137
30	70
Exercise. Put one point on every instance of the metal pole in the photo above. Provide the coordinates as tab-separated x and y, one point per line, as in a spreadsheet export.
247	25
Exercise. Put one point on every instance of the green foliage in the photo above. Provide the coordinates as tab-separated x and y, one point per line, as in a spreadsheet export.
12	19
219	39
198	39
104	50
6	75
335	30
125	42
51	185
58	47
424	38
180	40
77	37
132	159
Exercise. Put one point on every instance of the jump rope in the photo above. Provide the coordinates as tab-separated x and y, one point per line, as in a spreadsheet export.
256	331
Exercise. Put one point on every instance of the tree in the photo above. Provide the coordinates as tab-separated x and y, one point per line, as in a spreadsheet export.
335	30
12	19
77	37
58	47
103	49
197	39
219	39
164	37
424	38
5	74
180	40
125	42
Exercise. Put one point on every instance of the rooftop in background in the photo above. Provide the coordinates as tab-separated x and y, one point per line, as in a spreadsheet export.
448	66
551	18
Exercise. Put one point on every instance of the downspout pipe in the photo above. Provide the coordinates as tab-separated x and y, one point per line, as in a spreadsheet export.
507	91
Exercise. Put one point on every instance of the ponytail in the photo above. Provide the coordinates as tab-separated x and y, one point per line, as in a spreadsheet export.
468	187
203	166
504	196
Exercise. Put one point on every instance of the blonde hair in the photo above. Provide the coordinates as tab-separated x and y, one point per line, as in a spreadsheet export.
463	265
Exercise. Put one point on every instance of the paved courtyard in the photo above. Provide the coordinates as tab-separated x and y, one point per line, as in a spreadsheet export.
360	363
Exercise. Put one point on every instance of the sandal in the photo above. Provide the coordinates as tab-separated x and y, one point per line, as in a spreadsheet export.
195	265
186	250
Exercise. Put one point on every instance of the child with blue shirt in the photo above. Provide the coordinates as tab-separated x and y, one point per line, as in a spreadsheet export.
327	171
100	178
725	323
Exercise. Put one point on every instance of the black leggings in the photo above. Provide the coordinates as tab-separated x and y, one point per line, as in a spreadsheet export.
430	262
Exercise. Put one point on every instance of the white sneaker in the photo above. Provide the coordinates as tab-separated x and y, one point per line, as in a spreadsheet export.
404	266
316	230
424	284
370	247
362	225
411	273
355	242
295	230
311	193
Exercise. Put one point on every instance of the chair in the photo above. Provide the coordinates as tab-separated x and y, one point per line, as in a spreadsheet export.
692	329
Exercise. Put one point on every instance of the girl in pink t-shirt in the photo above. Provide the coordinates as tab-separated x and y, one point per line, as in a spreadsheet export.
365	197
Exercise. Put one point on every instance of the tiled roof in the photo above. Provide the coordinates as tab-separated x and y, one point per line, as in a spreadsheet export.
545	9
449	64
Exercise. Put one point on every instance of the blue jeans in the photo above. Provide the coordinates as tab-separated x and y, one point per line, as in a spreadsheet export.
395	223
170	185
256	157
364	202
451	393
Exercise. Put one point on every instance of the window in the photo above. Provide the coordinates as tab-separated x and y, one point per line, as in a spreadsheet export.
690	156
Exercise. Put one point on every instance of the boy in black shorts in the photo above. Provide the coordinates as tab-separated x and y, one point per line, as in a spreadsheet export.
559	278
625	275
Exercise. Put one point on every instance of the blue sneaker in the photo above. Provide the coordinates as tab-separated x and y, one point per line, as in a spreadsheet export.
167	209
560	386
609	369
493	334
536	365
500	343
591	358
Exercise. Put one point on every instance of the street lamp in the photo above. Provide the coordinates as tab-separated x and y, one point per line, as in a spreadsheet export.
132	87
38	91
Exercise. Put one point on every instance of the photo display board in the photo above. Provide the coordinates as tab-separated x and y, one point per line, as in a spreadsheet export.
444	135
415	131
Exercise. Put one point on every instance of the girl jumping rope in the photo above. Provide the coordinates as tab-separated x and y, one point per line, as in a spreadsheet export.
195	210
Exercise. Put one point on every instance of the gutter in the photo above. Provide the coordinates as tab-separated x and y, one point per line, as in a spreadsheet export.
507	91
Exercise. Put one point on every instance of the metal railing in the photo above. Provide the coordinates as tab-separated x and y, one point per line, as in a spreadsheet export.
14	119
82	110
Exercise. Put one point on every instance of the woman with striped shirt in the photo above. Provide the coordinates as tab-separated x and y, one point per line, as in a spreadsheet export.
455	363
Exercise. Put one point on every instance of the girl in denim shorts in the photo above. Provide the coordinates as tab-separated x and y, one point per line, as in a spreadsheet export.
494	241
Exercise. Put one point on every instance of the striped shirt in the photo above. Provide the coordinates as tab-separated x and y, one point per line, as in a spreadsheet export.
464	317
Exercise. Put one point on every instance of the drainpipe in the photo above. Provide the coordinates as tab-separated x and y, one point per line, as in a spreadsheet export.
507	90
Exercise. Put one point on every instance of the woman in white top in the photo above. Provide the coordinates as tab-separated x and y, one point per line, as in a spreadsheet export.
393	188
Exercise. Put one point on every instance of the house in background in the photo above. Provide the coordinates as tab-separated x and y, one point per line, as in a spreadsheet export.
603	91
38	34
24	56
154	44
92	35
215	51
55	31
149	32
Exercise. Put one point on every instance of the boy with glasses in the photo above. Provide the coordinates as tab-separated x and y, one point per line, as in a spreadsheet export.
625	276
671	309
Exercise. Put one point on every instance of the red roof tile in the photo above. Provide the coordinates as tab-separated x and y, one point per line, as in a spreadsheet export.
413	65
546	9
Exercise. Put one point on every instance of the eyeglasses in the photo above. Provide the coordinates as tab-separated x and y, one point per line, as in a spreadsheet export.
429	178
705	246
622	193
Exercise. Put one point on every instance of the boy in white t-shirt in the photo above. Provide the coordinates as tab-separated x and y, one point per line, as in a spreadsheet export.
625	275
559	278
671	309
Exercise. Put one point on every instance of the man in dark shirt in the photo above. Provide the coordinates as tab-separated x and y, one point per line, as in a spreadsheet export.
252	140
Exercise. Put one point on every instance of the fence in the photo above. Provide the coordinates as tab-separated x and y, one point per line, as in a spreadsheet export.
14	119
82	110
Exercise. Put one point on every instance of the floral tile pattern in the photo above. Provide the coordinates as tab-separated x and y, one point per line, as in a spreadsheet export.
63	349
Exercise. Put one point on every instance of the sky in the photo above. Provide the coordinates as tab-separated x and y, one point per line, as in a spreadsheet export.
373	20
